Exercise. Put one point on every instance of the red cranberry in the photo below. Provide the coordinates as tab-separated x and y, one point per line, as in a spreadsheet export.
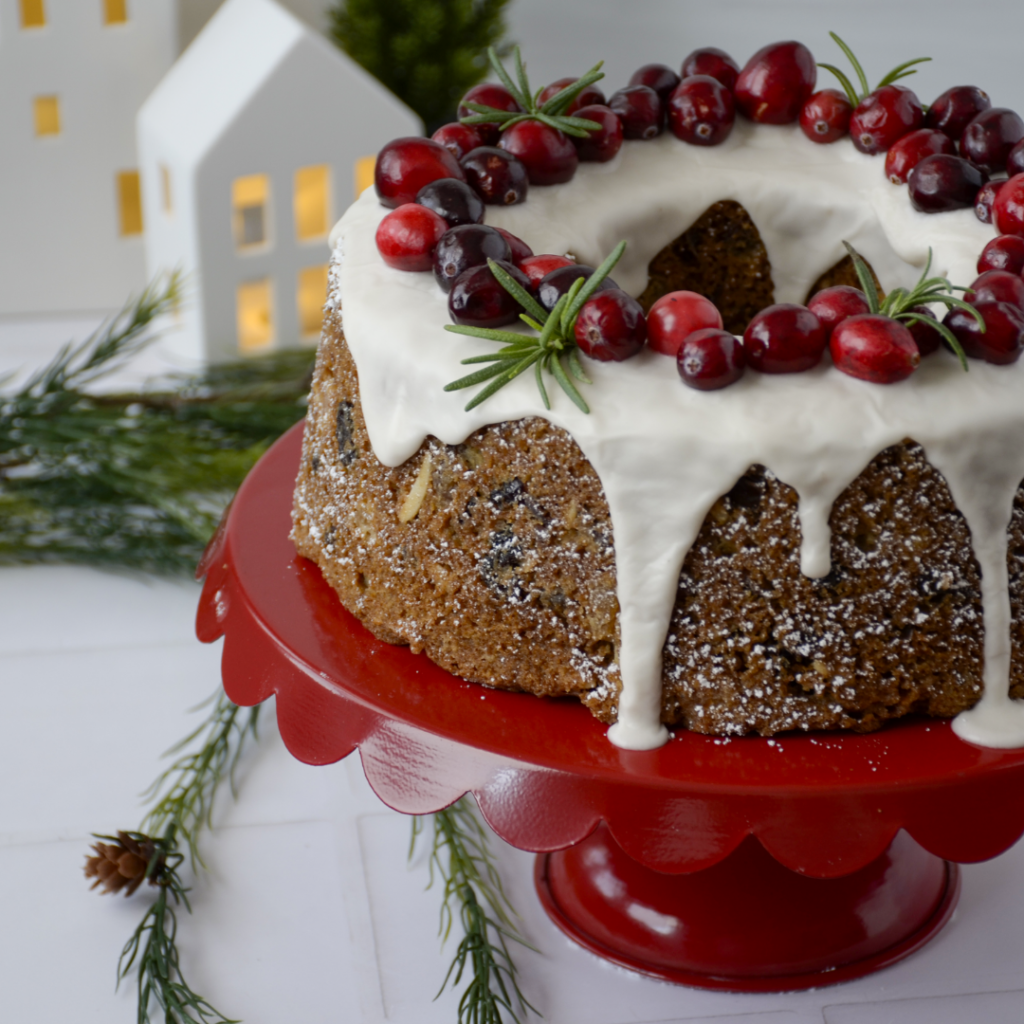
406	237
926	337
520	250
997	286
710	359
776	82
477	299
1008	211
675	316
874	348
489	94
883	116
404	166
659	77
942	182
1003	338
611	326
640	110
496	176
906	153
784	338
590	96
1003	253
985	200
825	117
602	145
469	245
988	140
557	282
536	268
701	111
709	60
548	154
1015	161
955	109
458	139
453	200
834	305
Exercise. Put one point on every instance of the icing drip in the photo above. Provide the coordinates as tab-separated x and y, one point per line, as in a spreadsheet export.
665	453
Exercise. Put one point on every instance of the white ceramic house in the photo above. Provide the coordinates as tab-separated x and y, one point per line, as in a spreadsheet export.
73	73
250	148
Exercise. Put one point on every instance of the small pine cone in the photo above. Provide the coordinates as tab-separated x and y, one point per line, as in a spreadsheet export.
122	864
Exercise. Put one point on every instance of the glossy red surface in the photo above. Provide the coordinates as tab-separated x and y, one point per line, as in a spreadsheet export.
543	771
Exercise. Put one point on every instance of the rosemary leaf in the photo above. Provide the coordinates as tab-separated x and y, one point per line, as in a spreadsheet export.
568	387
594	281
500	382
538	367
481	375
855	64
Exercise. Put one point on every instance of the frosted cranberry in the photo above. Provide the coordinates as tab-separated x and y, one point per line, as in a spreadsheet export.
602	145
547	154
942	182
489	94
776	82
469	245
883	116
1008	211
926	337
458	139
640	110
710	359
536	268
834	305
588	97
1003	253
453	200
659	77
520	250
985	200
784	338
906	153
477	299
1015	161
675	316
406	237
825	117
404	166
701	111
997	286
557	282
1003	338
988	140
496	176
954	110
709	60
611	326
874	348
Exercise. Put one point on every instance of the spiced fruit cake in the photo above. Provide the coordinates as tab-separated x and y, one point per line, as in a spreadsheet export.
743	485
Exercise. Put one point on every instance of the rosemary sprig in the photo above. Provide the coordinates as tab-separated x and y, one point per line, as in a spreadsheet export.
852	94
555	339
900	303
551	112
461	856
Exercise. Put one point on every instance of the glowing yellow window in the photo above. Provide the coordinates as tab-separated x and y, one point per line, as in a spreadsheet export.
129	202
33	14
310	299
249	201
364	169
167	197
312	202
115	12
254	315
47	115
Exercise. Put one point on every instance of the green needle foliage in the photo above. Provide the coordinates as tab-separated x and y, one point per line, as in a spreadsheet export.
460	855
855	96
427	52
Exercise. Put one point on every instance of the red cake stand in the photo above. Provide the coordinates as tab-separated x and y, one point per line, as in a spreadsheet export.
747	864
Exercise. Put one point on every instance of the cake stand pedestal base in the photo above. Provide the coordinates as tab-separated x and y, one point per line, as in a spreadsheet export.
747	923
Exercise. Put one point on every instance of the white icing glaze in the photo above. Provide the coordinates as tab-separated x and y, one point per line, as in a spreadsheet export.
665	453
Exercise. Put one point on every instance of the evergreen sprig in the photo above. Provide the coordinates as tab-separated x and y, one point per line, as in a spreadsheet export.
551	112
853	95
460	855
555	338
901	303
